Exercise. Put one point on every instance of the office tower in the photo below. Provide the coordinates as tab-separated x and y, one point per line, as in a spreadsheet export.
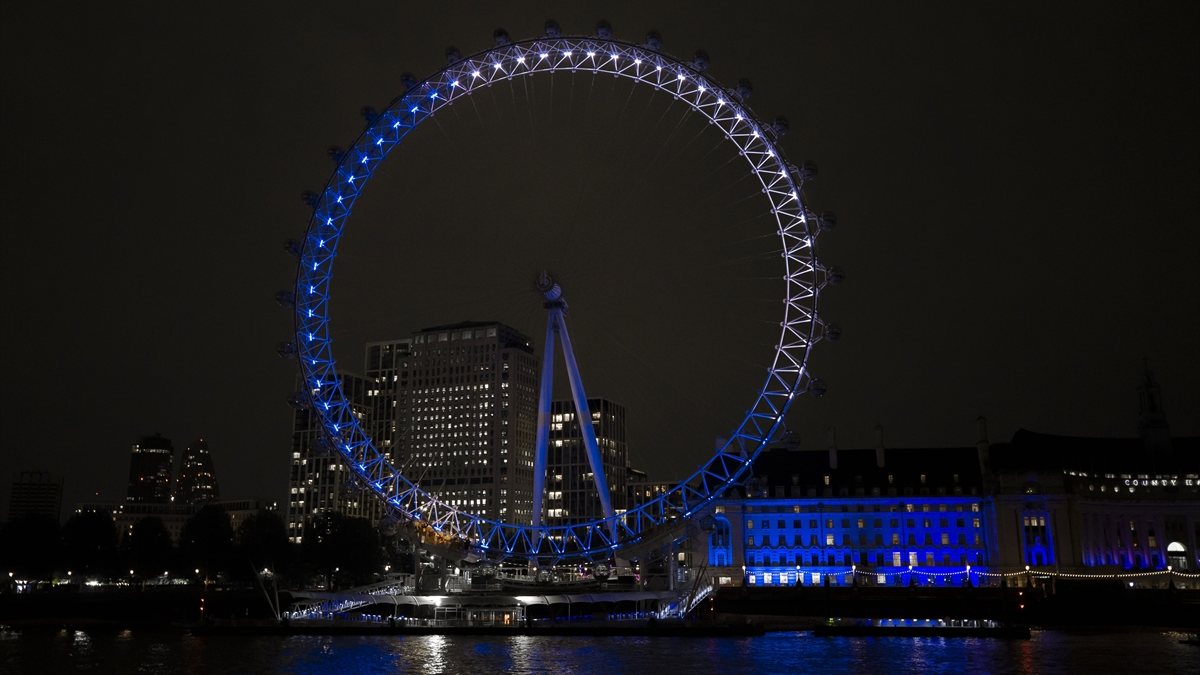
466	429
196	483
570	487
386	369
35	493
150	464
320	482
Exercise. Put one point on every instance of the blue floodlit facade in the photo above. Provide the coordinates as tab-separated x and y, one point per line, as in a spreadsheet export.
787	542
876	517
1084	507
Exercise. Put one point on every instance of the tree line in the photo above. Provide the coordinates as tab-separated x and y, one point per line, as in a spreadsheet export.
338	550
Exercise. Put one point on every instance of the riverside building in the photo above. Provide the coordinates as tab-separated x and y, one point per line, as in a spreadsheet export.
1037	504
815	516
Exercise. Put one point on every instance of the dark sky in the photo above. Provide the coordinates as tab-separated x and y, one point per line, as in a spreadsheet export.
1016	185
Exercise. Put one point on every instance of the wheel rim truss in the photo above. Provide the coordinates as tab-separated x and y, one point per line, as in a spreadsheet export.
786	378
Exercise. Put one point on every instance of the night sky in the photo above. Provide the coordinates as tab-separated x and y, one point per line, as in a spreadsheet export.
1016	186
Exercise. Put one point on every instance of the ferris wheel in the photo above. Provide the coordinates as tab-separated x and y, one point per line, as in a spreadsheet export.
800	326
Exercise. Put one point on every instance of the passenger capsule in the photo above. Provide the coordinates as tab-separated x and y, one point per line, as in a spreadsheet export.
805	172
832	332
292	247
700	60
653	41
285	349
285	298
604	30
408	81
335	153
780	127
369	114
310	198
453	56
552	29
743	90
835	275
817	387
500	37
827	221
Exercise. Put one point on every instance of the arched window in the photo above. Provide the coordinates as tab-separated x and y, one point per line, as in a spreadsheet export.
720	545
1177	556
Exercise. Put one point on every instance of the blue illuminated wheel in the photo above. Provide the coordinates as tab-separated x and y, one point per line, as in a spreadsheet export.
787	375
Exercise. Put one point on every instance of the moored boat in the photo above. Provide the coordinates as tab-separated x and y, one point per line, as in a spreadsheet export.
921	627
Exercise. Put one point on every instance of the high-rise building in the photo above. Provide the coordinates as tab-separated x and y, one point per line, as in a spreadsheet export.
320	482
453	407
35	493
150	464
570	486
196	483
386	368
642	490
465	431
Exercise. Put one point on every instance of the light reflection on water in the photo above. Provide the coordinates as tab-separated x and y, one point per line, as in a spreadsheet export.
165	652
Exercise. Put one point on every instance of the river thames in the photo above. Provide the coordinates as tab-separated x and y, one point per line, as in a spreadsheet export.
171	652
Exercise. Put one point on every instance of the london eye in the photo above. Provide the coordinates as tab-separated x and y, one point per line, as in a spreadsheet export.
800	326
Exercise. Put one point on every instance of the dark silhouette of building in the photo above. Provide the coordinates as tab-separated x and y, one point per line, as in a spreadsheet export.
196	483
150	464
35	493
1153	429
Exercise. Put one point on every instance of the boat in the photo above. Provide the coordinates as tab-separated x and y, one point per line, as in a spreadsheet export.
920	628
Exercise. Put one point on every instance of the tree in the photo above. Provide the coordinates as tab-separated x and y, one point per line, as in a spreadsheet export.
90	544
262	540
147	548
206	542
362	553
341	548
30	547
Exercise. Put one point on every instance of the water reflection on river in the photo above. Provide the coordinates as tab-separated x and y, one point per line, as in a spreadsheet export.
166	652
